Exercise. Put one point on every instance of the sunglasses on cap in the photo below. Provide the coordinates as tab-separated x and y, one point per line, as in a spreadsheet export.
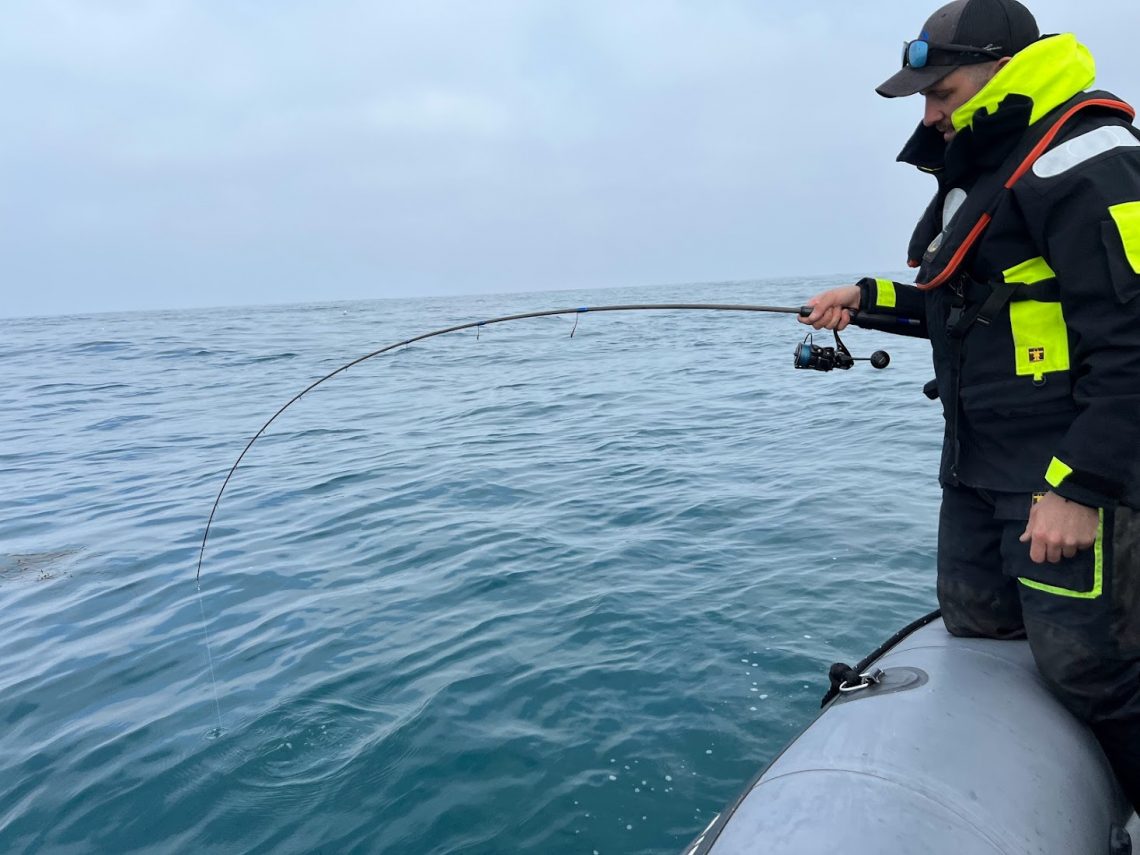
916	54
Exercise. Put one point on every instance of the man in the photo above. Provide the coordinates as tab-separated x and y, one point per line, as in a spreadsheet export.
1028	287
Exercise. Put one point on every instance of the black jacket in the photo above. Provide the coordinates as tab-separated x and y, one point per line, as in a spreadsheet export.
1042	391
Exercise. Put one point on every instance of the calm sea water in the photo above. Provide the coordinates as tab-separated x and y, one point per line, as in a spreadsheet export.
513	592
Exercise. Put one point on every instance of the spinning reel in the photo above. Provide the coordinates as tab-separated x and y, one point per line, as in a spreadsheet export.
808	354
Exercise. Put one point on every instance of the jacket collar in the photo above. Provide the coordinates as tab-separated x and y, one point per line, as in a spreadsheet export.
1048	72
1034	82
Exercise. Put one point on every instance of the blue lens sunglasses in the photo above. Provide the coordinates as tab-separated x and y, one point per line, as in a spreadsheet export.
916	54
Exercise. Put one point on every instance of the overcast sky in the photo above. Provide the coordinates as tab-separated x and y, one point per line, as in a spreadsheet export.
181	153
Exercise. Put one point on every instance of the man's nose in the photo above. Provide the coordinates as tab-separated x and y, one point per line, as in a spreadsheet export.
933	114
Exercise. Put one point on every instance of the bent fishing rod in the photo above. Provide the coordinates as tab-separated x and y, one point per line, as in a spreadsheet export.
807	355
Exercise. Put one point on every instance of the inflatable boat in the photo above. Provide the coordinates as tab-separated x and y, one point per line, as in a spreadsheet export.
934	745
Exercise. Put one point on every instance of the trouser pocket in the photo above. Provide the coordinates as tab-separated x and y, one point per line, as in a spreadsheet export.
1080	577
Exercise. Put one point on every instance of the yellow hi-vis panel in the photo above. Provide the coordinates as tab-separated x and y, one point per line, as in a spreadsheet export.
1040	338
1127	217
1030	272
1058	471
885	294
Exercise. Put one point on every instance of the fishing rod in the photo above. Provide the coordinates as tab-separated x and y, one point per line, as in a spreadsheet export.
808	355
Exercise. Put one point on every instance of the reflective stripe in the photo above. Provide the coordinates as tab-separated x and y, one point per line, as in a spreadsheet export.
1040	338
1079	149
1127	217
1030	272
1098	570
1057	473
954	201
885	297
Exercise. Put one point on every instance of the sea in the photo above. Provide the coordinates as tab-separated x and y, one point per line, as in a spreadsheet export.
554	585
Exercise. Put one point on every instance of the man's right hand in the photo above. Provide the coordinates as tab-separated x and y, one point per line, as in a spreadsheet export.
830	310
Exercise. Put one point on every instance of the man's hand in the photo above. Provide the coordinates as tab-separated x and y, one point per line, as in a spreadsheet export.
830	309
1059	528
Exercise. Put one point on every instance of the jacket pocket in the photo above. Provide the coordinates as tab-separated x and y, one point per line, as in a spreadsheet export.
1040	338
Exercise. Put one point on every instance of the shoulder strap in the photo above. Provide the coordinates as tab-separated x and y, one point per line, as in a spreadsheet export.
961	320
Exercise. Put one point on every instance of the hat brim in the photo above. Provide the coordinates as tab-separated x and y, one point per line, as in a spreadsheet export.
910	81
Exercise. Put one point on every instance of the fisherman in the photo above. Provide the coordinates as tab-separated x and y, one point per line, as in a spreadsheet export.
1028	287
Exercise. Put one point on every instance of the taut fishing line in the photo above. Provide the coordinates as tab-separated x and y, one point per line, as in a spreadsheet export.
807	355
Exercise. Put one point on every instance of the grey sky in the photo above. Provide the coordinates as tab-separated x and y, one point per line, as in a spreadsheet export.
199	152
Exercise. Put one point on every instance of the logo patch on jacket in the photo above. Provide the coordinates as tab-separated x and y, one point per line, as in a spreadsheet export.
1036	354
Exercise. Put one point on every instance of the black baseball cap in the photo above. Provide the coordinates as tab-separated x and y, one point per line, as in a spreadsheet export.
994	28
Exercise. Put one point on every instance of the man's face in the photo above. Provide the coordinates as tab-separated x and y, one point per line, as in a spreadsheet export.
950	93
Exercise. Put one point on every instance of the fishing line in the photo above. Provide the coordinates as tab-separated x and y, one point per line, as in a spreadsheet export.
801	311
210	658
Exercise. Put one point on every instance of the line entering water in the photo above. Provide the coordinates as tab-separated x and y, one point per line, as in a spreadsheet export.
216	732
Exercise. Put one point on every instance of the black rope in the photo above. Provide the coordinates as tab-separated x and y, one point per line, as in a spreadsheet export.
723	307
840	672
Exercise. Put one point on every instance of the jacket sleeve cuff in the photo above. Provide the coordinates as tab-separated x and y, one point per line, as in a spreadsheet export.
1081	487
877	295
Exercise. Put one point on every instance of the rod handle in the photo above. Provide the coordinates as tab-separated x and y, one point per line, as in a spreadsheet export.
883	323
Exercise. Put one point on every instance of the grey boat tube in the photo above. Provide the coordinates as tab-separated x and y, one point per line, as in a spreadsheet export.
959	749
